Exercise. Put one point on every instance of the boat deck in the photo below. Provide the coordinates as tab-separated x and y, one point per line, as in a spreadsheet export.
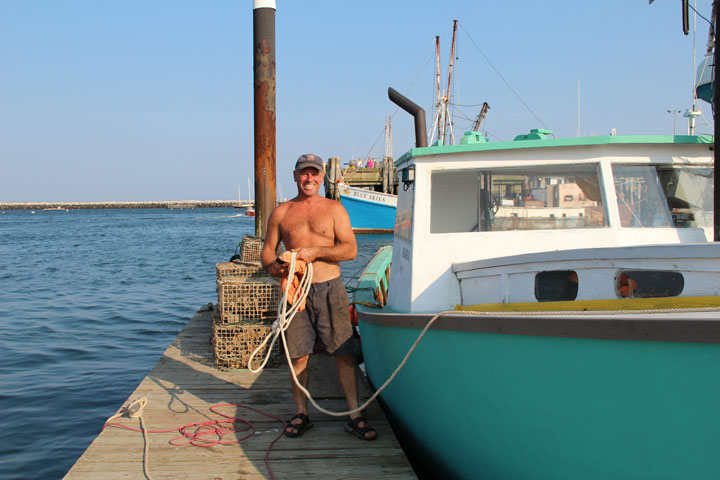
182	387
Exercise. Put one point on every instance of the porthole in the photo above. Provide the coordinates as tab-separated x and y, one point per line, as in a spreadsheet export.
556	286
648	283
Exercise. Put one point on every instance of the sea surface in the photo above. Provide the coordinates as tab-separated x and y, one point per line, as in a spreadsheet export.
89	301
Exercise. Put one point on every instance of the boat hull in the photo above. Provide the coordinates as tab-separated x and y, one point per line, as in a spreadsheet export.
498	397
369	211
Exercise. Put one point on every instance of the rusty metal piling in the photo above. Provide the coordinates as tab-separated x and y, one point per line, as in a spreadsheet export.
264	92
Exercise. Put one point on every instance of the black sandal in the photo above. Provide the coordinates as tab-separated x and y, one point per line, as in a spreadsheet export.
300	428
353	427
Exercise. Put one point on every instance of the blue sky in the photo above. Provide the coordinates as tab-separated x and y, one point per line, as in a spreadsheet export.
152	99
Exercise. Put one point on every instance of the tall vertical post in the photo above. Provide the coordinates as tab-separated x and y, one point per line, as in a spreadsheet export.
716	110
264	91
447	121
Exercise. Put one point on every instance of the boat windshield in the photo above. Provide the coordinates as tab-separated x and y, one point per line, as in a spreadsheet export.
689	192
664	196
517	198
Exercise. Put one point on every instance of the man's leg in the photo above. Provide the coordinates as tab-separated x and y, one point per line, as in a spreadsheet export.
347	375
348	381
299	365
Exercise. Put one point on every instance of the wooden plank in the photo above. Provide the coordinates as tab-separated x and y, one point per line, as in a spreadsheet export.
182	387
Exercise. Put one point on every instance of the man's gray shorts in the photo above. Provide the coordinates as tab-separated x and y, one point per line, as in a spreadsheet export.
326	319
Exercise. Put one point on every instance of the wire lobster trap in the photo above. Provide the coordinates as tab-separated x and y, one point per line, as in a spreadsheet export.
233	345
239	271
251	249
251	301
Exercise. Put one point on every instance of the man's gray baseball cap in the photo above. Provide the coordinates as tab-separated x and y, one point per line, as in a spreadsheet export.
309	160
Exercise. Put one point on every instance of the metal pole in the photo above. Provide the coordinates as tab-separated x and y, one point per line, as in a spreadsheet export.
416	111
578	107
264	91
716	109
446	119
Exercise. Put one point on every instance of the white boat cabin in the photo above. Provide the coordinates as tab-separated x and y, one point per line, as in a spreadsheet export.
542	219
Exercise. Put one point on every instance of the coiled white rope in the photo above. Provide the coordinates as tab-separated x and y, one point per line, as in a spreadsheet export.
283	322
285	316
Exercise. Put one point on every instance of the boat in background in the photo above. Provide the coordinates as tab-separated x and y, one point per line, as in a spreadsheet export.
369	211
248	205
572	298
368	192
372	211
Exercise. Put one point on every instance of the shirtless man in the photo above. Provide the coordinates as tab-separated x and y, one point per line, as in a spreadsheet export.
318	229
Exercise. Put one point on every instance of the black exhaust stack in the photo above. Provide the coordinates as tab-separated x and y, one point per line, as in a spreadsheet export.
416	111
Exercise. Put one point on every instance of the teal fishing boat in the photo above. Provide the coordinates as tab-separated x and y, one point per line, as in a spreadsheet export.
565	295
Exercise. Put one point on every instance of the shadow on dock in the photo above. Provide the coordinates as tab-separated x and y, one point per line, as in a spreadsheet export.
182	387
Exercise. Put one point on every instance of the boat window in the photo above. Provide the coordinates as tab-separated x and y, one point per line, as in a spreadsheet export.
556	286
689	193
648	283
403	214
641	201
520	198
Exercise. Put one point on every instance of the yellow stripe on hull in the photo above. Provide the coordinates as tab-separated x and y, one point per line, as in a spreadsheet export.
663	303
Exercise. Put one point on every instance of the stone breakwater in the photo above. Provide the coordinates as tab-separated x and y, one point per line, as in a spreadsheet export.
173	204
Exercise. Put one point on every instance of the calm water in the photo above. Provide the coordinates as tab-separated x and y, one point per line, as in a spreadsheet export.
89	300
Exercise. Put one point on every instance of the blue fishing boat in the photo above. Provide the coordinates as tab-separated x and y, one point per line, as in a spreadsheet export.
561	297
369	211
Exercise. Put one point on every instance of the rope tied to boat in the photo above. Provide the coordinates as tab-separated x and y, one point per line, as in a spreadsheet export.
281	324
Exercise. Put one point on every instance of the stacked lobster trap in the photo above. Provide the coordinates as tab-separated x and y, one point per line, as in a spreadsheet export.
247	305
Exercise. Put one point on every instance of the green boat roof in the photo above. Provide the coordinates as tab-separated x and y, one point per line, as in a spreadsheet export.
540	139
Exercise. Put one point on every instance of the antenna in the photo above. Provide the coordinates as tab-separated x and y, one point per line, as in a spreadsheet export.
692	113
578	107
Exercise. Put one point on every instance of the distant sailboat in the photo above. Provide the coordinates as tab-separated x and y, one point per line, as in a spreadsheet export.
248	204
249	210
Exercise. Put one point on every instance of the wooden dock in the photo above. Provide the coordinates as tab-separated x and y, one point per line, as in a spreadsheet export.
182	387
380	178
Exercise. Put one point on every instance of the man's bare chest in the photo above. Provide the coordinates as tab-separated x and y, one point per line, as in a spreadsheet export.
296	227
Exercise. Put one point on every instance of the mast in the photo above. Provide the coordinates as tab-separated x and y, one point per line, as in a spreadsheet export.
716	109
446	114
578	106
438	91
438	74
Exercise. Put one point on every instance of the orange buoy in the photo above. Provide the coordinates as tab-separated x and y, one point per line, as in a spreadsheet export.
626	286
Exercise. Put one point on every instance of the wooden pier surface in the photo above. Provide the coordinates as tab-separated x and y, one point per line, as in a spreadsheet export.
182	387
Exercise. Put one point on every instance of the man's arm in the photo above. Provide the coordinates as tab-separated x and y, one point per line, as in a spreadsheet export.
345	247
269	251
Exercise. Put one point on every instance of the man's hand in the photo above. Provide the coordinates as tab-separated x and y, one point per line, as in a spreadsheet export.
278	269
307	254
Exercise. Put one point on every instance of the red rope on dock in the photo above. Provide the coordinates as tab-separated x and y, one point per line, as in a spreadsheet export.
196	434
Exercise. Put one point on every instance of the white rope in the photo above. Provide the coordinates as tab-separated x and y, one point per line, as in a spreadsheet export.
466	312
283	322
285	317
560	313
135	409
